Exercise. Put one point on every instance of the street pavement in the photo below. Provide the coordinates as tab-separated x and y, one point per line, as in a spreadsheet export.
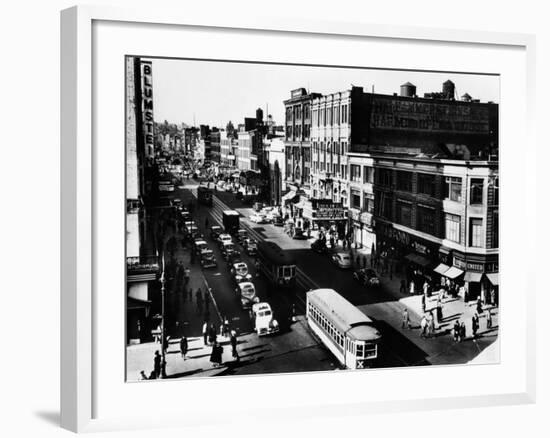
296	348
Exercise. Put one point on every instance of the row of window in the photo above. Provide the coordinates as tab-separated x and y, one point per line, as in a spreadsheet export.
330	116
368	201
297	112
323	322
330	147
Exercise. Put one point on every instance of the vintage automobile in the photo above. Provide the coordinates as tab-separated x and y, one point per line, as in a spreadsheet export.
224	238
240	272
320	246
278	221
207	258
227	249
250	247
342	260
200	245
241	235
367	277
264	322
247	294
215	231
258	218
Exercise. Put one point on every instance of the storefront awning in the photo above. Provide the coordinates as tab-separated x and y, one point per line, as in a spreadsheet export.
418	259
493	278
453	272
472	277
441	268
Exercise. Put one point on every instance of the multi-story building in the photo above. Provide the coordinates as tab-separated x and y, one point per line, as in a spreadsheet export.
228	149
275	151
244	150
215	138
419	175
141	260
298	159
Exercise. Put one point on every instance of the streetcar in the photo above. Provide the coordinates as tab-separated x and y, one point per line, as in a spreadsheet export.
277	265
346	331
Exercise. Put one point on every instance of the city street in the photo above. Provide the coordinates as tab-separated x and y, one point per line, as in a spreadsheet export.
295	348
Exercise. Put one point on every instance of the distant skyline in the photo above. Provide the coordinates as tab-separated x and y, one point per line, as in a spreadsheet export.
214	92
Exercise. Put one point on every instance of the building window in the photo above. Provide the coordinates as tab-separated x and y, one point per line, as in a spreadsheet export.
368	203
368	174
337	115
329	114
476	234
355	199
453	188
426	184
404	181
384	177
452	227
355	173
476	191
384	206
404	213
425	220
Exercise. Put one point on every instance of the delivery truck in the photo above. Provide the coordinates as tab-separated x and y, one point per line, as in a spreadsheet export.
230	221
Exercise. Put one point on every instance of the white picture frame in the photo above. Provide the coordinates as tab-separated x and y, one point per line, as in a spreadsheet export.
81	370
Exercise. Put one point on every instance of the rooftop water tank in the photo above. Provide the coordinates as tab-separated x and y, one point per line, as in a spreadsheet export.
408	90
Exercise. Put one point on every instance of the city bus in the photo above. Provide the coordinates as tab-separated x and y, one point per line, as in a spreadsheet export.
277	265
346	331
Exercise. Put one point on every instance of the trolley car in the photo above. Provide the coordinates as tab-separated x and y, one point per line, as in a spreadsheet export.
346	331
277	265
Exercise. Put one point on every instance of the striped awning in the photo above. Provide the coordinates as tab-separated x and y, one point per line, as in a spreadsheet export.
441	268
493	278
453	272
473	277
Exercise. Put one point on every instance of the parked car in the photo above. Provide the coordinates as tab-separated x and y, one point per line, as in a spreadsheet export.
247	294
342	260
215	231
241	235
367	277
264	322
207	259
278	221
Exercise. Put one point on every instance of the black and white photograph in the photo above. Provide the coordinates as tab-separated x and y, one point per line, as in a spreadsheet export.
285	218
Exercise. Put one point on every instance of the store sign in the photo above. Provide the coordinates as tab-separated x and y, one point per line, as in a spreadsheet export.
476	267
147	106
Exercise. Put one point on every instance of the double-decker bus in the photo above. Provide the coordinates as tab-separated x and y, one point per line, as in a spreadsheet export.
346	331
277	265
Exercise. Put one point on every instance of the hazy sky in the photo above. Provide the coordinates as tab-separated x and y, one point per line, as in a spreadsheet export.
215	92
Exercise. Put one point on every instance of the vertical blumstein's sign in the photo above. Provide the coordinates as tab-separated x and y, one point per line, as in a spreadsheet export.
147	110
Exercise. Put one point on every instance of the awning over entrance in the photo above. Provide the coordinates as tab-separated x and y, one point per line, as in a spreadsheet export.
441	268
473	277
453	272
493	278
418	259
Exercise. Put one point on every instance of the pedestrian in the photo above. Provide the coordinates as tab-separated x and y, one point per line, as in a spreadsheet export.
406	322
411	287
431	325
403	287
489	319
205	333
166	343
216	355
479	306
233	342
186	275
456	331
184	346
474	326
157	364
462	331
426	287
142	375
212	334
225	326
293	317
423	326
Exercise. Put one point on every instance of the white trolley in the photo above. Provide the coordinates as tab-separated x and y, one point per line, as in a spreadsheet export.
346	331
